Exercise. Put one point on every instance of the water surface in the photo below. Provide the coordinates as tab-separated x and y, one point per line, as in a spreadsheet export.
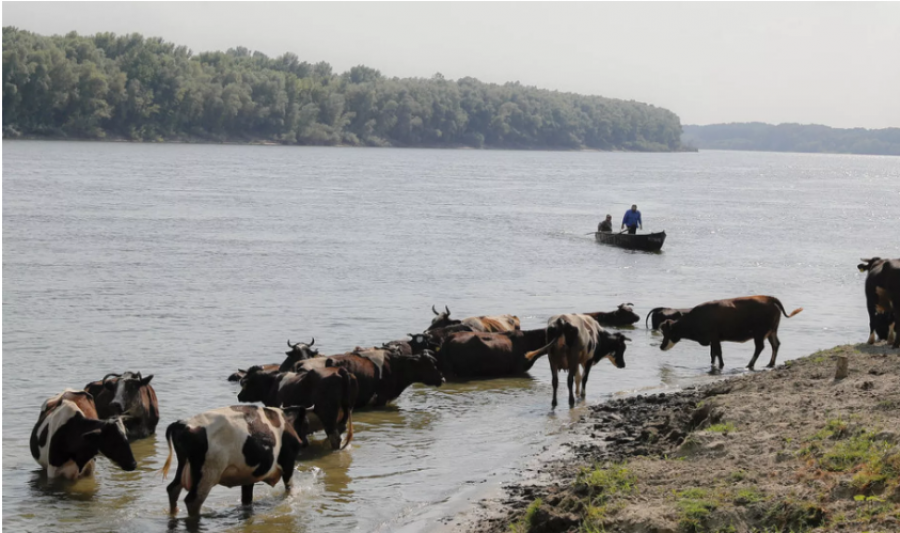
187	261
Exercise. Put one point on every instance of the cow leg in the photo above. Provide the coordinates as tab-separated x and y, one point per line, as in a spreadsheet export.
196	481
201	492
759	343
174	488
715	351
587	371
578	391
570	379
554	372
247	494
773	340
871	308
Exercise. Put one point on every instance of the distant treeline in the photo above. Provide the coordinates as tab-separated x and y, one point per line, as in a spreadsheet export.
145	89
793	138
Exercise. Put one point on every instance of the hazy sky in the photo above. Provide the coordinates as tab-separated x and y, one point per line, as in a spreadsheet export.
828	63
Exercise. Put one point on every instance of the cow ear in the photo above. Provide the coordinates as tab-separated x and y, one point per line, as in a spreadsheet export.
146	380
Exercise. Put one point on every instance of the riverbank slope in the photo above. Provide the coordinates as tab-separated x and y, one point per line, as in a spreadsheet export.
792	449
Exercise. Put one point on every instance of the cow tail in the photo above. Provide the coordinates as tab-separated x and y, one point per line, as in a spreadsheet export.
781	307
654	310
347	405
531	356
165	468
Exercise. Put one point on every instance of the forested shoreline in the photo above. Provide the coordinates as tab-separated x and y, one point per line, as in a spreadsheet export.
134	88
810	138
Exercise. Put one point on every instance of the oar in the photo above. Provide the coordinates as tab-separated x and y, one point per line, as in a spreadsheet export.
596	232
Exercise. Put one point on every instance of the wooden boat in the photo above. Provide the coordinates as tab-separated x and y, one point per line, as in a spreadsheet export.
648	242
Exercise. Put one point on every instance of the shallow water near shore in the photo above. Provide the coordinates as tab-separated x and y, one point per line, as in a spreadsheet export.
190	261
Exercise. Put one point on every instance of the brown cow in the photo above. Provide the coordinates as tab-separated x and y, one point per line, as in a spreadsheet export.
129	396
486	324
574	342
733	320
467	355
298	352
624	315
883	296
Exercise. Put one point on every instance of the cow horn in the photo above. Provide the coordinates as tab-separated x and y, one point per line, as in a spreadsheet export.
107	376
433	310
313	342
289	344
629	304
447	309
864	260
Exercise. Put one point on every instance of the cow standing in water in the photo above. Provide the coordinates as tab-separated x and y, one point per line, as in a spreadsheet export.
330	393
233	446
575	342
486	324
469	355
130	397
883	296
68	435
733	320
298	352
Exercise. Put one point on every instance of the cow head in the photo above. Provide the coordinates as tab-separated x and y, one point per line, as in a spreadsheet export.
419	342
626	314
868	264
112	441
612	346
441	320
257	384
127	399
671	335
296	417
419	368
298	352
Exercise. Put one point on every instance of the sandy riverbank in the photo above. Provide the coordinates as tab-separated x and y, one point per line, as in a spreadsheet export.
792	449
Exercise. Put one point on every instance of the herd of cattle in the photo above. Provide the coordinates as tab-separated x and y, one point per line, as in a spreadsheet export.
245	444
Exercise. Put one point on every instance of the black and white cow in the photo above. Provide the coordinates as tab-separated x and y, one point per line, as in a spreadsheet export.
68	435
129	396
233	446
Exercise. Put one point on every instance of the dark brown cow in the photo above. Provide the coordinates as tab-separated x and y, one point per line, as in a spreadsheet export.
624	315
733	320
574	342
467	355
331	392
68	435
382	375
486	324
882	295
130	397
661	314
233	446
417	343
239	375
298	352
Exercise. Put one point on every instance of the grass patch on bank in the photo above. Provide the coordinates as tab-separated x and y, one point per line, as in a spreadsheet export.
694	507
523	525
726	428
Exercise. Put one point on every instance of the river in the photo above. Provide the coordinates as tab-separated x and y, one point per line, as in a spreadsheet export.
189	261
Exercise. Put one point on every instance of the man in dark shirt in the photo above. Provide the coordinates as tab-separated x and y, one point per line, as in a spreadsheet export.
632	220
606	225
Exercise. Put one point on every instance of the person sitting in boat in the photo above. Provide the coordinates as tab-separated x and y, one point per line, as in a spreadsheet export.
632	220
606	225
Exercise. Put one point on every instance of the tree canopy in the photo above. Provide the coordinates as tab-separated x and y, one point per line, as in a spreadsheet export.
146	89
793	138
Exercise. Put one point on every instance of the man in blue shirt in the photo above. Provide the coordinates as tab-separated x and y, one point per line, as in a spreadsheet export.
632	220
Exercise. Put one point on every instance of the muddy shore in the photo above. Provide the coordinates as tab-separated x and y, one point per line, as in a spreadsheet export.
792	449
